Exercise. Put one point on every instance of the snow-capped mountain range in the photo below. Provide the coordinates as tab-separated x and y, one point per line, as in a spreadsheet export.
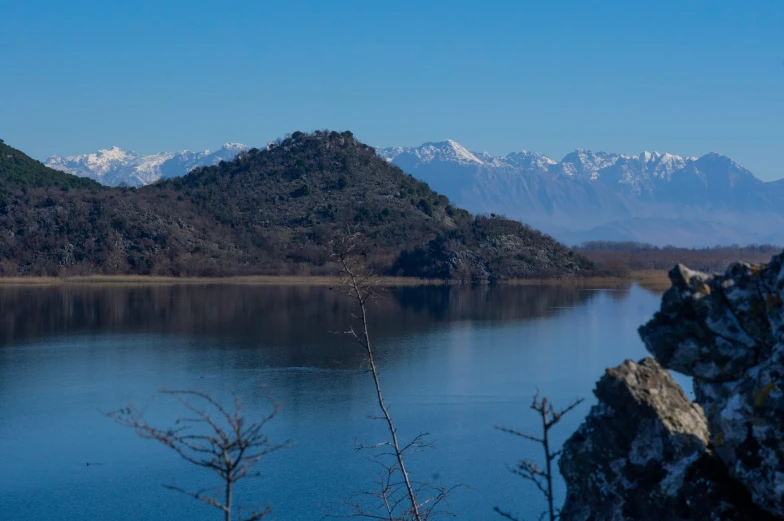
637	172
114	166
651	197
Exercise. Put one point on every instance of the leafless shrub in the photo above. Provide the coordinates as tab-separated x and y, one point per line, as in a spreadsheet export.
530	471
398	496
212	437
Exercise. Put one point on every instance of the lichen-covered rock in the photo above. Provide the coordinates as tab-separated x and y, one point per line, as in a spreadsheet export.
712	328
642	454
726	331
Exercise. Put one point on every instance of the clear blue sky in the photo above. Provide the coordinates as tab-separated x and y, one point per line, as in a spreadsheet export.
686	77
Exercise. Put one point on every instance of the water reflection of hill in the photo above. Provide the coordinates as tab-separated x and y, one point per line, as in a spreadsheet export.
282	316
482	303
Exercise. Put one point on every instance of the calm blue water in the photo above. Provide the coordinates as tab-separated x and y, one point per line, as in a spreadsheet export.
454	361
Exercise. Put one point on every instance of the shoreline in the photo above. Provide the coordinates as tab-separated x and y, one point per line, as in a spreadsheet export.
653	280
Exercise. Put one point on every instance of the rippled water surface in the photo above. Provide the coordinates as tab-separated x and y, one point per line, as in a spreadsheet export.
455	362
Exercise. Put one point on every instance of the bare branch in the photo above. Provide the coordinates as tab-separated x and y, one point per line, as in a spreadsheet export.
398	497
520	434
214	437
505	515
556	416
256	516
212	501
541	478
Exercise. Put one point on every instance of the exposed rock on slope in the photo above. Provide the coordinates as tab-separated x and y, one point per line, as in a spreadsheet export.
642	454
492	249
727	331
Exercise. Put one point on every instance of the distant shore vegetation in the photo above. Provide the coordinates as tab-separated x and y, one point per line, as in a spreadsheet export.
620	259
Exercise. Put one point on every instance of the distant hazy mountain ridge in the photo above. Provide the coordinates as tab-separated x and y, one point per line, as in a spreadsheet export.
651	197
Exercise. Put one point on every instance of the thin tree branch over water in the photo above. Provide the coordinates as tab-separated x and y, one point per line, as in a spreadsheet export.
541	478
213	437
398	496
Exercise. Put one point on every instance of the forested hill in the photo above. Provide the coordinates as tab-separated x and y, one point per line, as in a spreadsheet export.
20	170
270	211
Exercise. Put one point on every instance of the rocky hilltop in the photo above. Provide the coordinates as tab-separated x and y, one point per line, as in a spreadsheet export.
645	452
266	212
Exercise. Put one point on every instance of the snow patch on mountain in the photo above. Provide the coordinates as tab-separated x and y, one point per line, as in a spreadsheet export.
444	151
95	165
528	160
114	166
582	163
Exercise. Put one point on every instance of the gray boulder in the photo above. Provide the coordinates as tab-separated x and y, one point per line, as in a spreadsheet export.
642	454
726	331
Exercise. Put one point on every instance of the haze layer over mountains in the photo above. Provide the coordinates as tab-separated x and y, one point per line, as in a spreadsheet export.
651	197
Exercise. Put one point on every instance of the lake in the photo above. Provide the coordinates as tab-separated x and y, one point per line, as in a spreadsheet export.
454	362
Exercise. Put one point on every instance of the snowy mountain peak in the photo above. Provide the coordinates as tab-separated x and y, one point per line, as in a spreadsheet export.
529	160
587	163
527	153
648	157
646	196
114	151
720	162
95	165
723	169
634	171
449	150
715	157
115	166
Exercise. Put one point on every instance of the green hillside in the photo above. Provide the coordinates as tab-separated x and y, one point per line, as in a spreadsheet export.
16	168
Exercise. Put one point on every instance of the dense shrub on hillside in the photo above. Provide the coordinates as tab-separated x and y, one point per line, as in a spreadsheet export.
23	171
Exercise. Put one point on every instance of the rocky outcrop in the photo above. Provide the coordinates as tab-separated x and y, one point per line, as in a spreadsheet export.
493	249
646	452
727	332
643	454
